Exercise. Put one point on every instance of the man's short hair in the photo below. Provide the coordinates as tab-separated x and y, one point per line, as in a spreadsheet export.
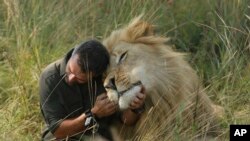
93	57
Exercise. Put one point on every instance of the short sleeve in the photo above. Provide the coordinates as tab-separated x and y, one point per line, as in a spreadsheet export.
51	107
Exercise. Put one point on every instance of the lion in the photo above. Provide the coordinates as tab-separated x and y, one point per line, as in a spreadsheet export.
177	107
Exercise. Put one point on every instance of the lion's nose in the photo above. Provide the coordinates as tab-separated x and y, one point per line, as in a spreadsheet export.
110	84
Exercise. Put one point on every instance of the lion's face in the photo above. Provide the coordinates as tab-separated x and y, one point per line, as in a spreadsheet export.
134	54
126	73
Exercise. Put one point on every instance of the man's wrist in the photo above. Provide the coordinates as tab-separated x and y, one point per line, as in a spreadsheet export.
90	118
88	113
139	110
93	111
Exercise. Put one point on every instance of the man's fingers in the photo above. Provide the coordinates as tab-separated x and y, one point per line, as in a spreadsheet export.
111	104
102	96
137	100
134	105
140	96
111	107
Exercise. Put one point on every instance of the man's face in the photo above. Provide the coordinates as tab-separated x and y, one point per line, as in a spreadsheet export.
74	73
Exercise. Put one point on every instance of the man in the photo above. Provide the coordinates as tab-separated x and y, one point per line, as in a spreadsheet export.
72	97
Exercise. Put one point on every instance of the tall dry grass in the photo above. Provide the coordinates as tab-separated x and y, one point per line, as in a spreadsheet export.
35	33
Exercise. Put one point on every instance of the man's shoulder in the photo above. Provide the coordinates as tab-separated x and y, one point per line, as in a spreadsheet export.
52	71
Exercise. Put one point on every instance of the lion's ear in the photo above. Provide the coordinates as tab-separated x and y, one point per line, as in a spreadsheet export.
138	28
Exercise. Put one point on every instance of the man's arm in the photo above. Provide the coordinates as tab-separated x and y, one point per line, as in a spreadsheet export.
103	107
70	127
131	115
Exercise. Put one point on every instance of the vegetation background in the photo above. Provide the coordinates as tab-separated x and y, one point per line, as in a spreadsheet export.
215	33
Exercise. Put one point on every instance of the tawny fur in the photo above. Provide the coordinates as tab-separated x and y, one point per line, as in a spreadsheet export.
176	105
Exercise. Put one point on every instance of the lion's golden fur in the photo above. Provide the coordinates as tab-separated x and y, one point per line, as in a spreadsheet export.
176	105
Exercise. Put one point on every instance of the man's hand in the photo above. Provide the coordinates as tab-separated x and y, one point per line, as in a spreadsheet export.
138	100
128	116
103	106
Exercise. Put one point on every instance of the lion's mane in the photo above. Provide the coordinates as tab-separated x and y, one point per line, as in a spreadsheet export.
176	104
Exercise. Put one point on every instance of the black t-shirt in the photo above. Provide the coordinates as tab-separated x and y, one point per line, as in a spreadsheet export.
59	101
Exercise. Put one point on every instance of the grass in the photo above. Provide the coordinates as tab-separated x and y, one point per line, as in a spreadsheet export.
35	33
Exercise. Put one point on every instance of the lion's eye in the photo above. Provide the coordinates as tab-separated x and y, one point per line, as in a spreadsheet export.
122	57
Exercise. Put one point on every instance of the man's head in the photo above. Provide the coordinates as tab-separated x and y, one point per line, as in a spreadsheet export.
89	59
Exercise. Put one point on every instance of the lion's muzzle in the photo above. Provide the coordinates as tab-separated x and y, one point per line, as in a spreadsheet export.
138	83
123	98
